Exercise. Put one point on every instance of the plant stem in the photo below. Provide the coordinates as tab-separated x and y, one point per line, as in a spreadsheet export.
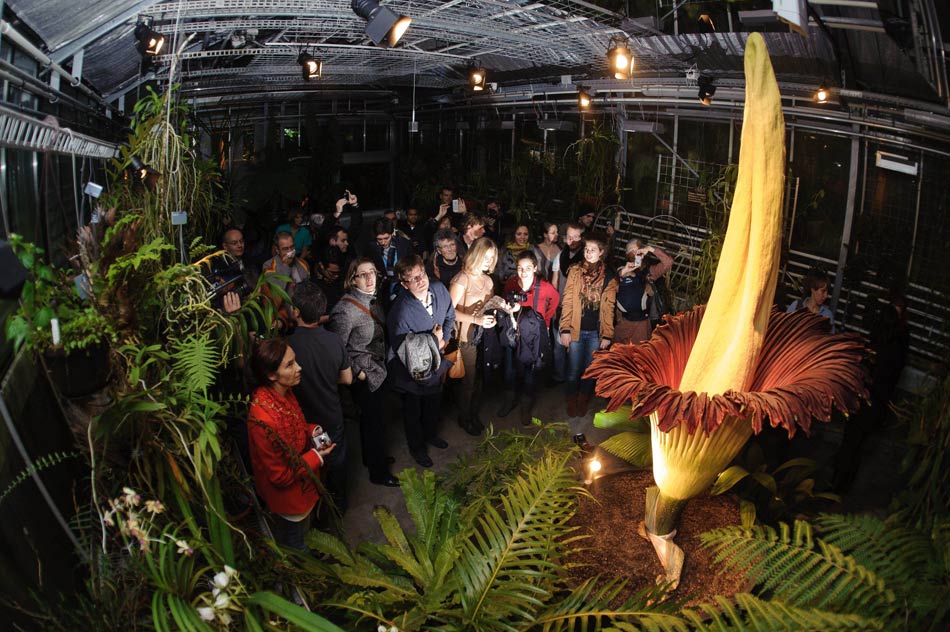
662	512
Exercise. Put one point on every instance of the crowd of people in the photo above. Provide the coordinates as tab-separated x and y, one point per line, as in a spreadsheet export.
418	305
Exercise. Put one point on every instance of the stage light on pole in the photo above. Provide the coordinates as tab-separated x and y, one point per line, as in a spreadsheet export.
477	78
310	67
619	58
822	94
381	23
584	98
150	41
707	90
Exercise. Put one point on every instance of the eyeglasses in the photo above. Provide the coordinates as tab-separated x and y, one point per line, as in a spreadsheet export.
414	279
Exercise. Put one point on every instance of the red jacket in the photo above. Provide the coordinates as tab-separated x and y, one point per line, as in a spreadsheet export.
275	426
547	301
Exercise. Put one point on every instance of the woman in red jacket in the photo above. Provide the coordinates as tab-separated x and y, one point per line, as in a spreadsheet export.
286	451
541	296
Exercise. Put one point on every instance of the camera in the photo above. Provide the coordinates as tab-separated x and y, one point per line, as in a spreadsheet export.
320	438
226	277
634	257
517	297
455	205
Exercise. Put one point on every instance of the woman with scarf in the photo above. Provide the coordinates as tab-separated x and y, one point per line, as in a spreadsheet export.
286	451
359	321
508	265
587	322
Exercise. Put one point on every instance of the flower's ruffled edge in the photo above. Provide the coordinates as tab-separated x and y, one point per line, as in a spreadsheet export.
802	373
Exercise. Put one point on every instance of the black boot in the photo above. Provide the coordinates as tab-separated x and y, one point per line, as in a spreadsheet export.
527	406
510	403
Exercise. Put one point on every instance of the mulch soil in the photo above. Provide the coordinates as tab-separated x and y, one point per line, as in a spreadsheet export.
615	550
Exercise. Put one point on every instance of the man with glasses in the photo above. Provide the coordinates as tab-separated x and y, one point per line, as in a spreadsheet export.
423	308
286	264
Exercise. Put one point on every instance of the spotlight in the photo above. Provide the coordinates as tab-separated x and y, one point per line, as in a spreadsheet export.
706	90
311	68
706	24
822	94
477	78
138	167
583	98
619	58
594	466
381	23
151	42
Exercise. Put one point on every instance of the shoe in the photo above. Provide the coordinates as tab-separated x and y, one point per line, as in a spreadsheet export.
510	403
437	442
421	458
583	401
472	427
527	405
571	401
387	480
390	460
581	442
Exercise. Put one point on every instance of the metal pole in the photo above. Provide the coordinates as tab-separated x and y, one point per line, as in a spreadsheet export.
848	222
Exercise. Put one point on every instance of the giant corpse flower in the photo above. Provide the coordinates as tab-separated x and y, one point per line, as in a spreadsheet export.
711	377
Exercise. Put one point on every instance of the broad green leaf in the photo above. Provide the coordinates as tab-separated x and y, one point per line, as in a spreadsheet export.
728	479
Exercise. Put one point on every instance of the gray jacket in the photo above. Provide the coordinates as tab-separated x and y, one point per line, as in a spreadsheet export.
364	338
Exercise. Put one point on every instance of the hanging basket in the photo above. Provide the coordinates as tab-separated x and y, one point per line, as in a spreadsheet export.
80	372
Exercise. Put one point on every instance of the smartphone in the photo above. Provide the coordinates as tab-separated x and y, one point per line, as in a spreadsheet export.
346	195
455	206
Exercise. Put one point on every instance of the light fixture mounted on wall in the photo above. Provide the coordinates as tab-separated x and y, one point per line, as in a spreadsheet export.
310	67
584	98
477	78
150	41
707	90
619	58
381	23
822	94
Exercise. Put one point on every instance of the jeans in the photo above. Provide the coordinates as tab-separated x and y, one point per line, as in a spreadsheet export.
470	389
291	534
580	355
560	352
516	373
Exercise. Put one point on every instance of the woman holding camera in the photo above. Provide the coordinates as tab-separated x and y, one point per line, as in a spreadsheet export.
645	264
471	288
587	322
359	321
286	451
528	291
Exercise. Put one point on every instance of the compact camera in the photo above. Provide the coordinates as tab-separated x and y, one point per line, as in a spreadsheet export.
320	438
517	297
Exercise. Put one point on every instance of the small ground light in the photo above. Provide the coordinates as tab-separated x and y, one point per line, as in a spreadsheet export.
821	94
594	466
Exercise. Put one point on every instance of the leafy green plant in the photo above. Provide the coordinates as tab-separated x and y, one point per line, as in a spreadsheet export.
863	573
716	207
785	492
39	464
47	294
591	164
632	441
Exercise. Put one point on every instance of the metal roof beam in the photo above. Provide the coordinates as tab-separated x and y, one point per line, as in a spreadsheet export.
66	51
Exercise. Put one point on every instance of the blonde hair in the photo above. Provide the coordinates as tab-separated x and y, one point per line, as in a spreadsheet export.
476	254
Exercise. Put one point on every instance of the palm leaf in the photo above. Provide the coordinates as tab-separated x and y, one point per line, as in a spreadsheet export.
633	447
506	567
591	606
747	612
800	570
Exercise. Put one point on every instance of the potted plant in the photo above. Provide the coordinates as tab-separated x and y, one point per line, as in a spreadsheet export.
76	347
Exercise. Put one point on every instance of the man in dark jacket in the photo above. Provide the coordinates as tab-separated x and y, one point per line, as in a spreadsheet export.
421	309
386	252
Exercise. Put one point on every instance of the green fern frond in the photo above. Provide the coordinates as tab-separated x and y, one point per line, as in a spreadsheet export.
748	612
632	447
591	606
508	563
38	465
197	359
798	569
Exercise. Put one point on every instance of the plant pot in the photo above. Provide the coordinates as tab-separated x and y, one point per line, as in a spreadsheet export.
80	372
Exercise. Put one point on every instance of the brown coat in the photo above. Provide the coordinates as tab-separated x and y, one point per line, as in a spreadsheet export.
572	310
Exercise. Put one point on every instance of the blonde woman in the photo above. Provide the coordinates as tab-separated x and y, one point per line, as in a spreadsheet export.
469	289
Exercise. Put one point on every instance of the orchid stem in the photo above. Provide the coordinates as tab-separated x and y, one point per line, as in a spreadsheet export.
662	512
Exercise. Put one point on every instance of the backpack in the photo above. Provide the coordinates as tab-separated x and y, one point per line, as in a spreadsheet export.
533	344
